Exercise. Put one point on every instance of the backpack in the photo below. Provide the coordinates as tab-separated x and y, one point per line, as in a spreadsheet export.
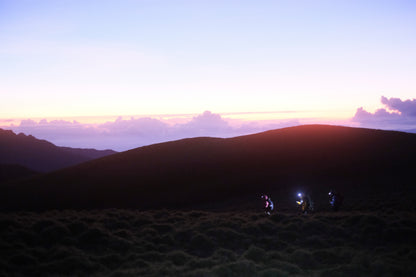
271	205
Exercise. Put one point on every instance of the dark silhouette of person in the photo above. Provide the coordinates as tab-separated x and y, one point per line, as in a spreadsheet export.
305	203
268	204
335	200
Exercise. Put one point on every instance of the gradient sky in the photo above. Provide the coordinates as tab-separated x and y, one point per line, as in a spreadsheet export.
89	58
243	60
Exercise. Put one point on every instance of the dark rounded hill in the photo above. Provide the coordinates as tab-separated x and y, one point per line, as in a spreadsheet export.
202	172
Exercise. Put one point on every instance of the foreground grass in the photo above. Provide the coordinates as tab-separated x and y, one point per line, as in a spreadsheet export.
199	243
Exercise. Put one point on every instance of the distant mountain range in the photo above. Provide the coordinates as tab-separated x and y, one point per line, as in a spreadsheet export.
410	131
203	172
41	155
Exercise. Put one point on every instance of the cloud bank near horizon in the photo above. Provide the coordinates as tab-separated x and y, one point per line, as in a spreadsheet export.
398	115
124	134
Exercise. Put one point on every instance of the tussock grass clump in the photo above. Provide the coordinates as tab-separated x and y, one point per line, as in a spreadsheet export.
224	256
272	272
256	254
77	228
303	259
284	266
226	237
178	258
200	245
314	242
54	233
241	267
111	261
23	260
333	256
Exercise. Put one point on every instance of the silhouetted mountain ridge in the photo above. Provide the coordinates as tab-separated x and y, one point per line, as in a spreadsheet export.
206	171
41	155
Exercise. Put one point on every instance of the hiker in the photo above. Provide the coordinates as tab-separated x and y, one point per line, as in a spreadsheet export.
335	200
305	203
268	205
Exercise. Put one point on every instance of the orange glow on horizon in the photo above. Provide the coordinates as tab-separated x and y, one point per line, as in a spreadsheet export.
304	117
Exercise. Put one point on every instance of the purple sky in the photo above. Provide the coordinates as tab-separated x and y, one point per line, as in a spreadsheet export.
67	59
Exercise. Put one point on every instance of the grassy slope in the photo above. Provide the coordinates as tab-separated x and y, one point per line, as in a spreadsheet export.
209	171
14	171
199	243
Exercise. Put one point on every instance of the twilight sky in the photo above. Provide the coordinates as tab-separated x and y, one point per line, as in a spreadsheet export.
247	63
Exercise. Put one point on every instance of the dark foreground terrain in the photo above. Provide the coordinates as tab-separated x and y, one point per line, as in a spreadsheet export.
190	208
116	242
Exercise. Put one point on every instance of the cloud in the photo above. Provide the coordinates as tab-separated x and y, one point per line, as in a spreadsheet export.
406	108
56	129
143	126
206	124
123	134
398	115
6	120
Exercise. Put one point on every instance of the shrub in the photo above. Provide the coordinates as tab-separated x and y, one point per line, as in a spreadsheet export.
285	266
201	245
22	260
272	272
151	256
226	237
199	263
315	242
343	271
251	229
239	268
77	227
178	258
303	259
111	261
328	257
28	237
222	255
125	234
54	234
255	254
162	228
289	236
117	244
76	265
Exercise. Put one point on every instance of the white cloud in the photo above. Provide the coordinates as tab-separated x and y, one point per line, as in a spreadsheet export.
405	108
123	134
206	124
398	115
